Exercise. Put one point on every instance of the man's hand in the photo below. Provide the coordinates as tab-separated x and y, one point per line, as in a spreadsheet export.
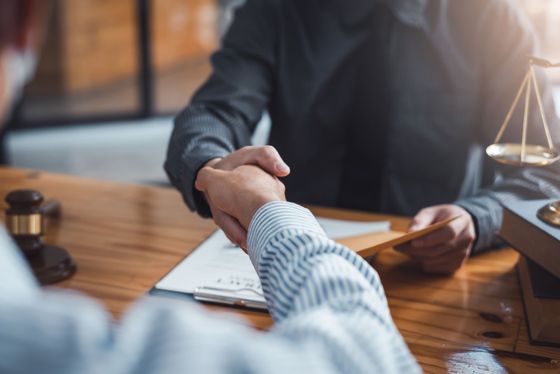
239	193
442	251
267	158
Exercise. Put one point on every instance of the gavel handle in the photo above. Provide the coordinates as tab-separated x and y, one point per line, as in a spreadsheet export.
51	209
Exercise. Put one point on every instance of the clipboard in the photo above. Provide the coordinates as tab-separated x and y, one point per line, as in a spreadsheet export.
219	272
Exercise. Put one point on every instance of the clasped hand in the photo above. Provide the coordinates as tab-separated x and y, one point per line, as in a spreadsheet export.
445	250
240	183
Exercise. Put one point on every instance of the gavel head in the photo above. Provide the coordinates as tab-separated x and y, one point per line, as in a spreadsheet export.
24	219
24	201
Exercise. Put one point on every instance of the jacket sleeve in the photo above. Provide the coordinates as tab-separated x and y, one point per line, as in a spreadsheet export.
224	112
504	64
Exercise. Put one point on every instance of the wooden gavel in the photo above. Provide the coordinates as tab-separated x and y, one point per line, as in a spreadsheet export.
25	221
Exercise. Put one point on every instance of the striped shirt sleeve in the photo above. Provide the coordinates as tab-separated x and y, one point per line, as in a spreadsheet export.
316	287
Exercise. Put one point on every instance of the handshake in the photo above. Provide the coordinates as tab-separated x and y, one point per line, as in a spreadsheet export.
237	185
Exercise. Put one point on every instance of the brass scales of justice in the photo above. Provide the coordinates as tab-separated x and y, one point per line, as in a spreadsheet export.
524	154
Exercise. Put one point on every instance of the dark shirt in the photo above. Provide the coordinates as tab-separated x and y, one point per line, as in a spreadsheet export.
378	105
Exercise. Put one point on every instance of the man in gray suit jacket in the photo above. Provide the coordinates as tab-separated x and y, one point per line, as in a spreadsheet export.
378	105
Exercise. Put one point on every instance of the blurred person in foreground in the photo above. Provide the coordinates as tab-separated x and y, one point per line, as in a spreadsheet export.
330	310
377	105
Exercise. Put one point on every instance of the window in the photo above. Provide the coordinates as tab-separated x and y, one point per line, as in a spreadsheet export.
108	60
545	15
88	65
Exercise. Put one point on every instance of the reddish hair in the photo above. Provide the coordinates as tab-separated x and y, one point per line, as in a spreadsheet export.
18	13
10	13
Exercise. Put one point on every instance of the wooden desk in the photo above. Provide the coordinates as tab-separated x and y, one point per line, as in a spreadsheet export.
126	237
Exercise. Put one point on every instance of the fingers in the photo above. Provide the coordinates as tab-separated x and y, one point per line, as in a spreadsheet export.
420	253
231	227
445	264
447	233
267	158
424	218
442	251
443	235
442	259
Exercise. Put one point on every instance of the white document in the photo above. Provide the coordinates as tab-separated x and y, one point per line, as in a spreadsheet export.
221	272
338	229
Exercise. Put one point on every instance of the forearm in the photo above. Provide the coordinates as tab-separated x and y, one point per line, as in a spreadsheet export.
317	288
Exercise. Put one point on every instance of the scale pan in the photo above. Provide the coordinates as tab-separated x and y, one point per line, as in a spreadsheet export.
510	154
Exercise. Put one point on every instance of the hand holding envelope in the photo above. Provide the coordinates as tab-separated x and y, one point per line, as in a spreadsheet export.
392	239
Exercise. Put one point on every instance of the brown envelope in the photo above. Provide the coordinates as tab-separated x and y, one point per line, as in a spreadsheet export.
372	244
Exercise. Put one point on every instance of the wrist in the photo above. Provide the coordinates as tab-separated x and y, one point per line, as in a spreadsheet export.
274	218
257	204
199	197
474	223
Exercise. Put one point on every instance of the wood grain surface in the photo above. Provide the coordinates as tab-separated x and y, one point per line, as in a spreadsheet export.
126	237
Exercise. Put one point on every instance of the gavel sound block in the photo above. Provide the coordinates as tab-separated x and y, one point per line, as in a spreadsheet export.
25	220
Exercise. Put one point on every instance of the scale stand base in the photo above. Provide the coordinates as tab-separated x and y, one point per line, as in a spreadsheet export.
550	213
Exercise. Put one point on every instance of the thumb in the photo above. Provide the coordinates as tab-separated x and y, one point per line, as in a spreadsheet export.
424	218
205	177
268	159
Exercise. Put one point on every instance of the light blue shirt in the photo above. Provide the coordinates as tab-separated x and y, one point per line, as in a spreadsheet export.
330	311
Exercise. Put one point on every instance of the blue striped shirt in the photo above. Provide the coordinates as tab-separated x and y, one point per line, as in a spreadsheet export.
330	311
